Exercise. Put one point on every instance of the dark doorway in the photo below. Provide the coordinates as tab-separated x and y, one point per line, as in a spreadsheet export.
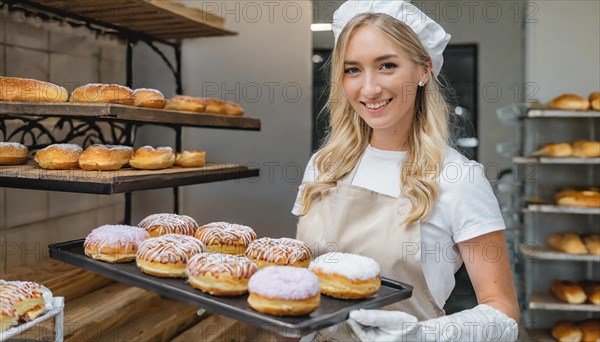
321	75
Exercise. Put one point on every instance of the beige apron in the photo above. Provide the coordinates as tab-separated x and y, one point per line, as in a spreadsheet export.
351	219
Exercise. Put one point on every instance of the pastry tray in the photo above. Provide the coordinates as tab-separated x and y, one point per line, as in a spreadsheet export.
330	312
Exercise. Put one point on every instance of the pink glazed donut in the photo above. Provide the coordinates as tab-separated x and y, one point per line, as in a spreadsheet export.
284	291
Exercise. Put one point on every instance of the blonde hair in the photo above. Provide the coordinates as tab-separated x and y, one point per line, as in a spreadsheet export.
350	135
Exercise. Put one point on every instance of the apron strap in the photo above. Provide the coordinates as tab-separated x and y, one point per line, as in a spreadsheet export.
349	178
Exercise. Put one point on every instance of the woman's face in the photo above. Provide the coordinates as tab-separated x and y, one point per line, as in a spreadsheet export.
380	81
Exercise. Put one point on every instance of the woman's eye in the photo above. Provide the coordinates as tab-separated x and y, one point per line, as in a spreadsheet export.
352	70
388	66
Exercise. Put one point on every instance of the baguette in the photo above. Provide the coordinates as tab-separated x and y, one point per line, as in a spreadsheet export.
568	292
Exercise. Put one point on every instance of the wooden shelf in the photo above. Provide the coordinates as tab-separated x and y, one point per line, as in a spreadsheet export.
545	253
164	19
545	160
30	176
546	301
557	209
129	113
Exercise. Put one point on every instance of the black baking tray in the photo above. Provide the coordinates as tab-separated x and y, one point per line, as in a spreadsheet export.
330	312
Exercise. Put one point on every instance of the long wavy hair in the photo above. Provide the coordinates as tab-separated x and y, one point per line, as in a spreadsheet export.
349	135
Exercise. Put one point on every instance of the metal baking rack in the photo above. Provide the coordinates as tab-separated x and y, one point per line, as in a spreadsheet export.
330	311
537	264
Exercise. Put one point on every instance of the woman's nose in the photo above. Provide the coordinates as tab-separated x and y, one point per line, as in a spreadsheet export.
371	87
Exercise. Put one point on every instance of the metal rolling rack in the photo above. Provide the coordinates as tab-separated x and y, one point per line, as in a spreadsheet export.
155	23
539	179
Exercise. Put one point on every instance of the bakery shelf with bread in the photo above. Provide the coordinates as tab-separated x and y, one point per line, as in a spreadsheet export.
531	251
547	301
553	160
559	209
119	112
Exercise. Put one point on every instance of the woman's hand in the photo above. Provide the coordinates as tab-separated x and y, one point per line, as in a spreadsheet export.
381	325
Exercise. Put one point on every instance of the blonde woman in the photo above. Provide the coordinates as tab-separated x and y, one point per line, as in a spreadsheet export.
386	184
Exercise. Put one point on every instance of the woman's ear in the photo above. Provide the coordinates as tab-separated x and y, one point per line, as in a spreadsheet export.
427	72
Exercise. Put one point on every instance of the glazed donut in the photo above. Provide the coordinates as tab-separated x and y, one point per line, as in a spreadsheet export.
594	99
28	90
586	149
220	274
150	158
29	299
586	198
186	104
167	255
105	157
190	158
279	252
103	93
160	224
149	98
569	102
347	276
223	237
284	291
59	157
114	243
8	314
12	153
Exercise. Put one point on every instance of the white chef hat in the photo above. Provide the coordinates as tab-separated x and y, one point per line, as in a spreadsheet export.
432	35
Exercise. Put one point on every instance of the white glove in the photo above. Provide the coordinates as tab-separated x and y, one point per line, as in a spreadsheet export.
482	323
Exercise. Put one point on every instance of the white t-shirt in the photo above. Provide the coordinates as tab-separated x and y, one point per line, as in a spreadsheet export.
466	208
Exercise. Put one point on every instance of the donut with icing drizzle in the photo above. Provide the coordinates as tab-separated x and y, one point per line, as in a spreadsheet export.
279	252
160	224
167	255
224	237
220	274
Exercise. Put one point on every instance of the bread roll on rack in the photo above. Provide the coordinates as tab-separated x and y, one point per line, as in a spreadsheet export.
568	292
594	99
569	102
149	98
566	331
186	104
567	243
103	93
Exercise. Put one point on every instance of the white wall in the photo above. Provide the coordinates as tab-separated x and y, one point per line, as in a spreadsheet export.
563	48
271	51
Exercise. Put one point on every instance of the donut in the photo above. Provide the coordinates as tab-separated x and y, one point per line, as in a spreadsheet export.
30	299
227	238
103	93
572	198
190	158
160	224
28	90
167	255
149	98
220	274
12	153
8	314
105	157
279	252
150	158
284	291
186	104
347	276
114	243
59	157
569	102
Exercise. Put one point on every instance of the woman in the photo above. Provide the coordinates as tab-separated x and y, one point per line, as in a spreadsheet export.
386	185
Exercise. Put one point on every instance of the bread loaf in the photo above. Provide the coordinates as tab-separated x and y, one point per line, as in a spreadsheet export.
566	332
148	98
567	243
28	90
568	292
554	150
592	291
103	93
586	148
186	104
569	102
592	243
585	198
